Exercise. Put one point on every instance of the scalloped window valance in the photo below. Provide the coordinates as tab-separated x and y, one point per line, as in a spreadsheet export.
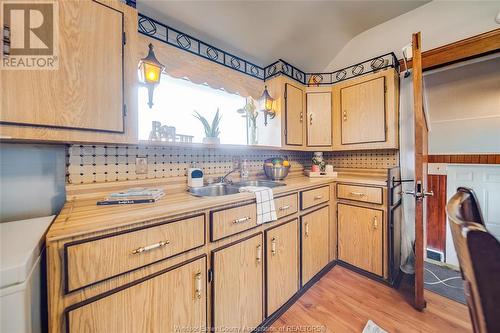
182	64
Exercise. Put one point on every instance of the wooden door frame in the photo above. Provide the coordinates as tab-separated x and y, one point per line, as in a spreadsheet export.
472	47
468	48
420	157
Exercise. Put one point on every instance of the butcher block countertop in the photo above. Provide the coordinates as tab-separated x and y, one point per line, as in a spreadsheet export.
80	214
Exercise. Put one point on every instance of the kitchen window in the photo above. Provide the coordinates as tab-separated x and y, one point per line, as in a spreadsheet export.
175	101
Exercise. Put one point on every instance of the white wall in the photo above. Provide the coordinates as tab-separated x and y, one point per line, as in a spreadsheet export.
32	180
441	22
464	108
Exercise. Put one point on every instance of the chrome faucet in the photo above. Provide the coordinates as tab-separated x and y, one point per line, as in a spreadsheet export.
223	178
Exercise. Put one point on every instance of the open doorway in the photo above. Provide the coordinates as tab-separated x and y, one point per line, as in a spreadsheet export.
463	103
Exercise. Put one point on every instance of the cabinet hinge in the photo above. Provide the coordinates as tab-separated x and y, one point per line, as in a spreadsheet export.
210	275
385	88
124	38
124	110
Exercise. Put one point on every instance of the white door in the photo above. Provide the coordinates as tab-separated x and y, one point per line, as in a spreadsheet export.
485	181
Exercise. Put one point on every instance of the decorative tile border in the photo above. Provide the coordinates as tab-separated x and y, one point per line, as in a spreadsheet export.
99	163
173	37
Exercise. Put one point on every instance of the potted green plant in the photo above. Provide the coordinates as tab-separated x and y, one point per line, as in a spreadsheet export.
211	131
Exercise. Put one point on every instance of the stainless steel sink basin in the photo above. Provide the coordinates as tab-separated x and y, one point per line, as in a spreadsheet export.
219	189
266	183
214	190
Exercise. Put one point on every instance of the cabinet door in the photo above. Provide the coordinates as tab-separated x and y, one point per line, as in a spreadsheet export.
314	235
360	237
282	264
319	118
363	112
165	302
86	91
294	113
238	285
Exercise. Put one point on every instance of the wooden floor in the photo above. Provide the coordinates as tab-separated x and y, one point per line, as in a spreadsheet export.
343	301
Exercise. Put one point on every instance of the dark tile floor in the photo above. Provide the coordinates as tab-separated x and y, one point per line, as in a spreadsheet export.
444	281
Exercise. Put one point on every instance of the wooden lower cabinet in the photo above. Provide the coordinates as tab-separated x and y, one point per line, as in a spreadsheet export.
238	285
168	301
360	237
314	242
282	264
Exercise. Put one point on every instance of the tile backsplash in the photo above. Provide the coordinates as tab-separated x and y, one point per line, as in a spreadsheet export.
100	163
363	159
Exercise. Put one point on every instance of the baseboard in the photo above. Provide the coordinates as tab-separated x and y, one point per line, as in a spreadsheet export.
364	273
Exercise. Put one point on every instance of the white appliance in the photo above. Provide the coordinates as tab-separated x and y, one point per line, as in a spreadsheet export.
22	246
195	177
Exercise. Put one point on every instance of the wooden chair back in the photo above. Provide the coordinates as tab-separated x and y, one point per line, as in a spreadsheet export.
479	256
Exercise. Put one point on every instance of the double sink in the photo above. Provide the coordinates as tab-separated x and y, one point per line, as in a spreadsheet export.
219	189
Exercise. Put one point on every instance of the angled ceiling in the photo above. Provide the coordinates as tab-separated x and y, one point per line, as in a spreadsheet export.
307	34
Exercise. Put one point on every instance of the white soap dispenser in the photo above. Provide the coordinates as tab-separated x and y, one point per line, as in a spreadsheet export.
195	176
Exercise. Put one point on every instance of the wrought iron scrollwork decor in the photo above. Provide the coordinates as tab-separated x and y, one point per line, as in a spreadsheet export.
185	42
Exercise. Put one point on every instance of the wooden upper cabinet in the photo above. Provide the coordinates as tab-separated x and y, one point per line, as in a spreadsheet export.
294	115
162	302
238	286
314	234
92	87
282	264
365	112
319	118
360	235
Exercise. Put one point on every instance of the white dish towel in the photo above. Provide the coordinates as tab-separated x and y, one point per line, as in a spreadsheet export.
266	212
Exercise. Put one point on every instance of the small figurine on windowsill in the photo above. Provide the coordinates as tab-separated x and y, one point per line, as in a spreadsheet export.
167	134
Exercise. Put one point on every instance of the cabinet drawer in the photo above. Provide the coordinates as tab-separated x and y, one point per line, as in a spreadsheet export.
93	260
161	302
314	197
286	205
360	193
227	222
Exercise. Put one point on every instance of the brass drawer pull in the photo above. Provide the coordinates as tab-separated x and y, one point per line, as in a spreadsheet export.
285	207
359	194
301	117
344	115
150	247
259	254
306	226
273	246
375	223
197	285
317	197
242	219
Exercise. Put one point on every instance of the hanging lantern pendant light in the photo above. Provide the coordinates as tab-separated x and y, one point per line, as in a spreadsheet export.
150	70
267	105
